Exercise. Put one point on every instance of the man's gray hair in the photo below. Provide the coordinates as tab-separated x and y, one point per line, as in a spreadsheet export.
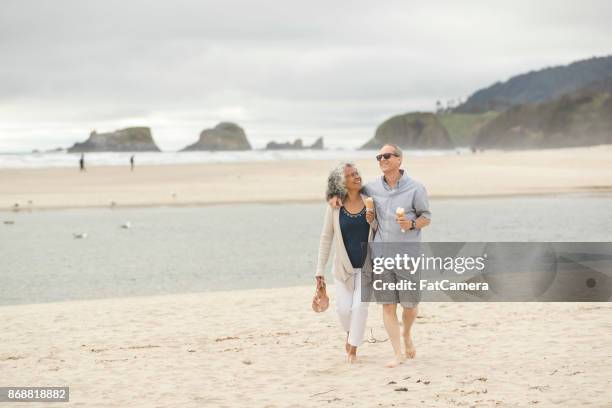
397	149
336	182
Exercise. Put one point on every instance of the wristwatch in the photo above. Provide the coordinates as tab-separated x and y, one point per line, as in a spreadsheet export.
412	225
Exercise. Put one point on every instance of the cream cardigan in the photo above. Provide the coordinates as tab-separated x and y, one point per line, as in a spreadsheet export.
331	233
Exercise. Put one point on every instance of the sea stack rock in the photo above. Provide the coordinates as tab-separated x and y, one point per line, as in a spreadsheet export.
134	139
411	131
296	145
318	144
224	136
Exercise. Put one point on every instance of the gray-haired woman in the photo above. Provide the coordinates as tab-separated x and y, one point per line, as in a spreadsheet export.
349	229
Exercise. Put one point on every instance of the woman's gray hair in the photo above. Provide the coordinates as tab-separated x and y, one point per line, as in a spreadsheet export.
336	183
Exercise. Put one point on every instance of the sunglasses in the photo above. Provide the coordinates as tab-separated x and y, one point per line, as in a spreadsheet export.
387	156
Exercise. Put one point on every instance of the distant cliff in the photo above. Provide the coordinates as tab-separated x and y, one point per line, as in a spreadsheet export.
412	131
581	118
224	136
464	127
538	86
134	139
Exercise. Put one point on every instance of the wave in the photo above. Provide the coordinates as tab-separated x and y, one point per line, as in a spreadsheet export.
63	159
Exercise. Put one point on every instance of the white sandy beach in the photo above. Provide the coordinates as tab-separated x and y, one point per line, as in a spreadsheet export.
492	173
267	348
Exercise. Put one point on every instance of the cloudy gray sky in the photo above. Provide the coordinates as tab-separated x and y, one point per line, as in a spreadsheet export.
281	69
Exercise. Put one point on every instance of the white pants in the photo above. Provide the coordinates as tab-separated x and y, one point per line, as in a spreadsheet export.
352	312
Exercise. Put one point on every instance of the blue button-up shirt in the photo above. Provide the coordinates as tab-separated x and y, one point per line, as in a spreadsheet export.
409	194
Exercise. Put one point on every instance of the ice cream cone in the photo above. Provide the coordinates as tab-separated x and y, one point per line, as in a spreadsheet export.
400	213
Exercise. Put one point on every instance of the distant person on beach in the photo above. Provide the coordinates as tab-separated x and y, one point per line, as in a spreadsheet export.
82	162
132	162
347	228
393	191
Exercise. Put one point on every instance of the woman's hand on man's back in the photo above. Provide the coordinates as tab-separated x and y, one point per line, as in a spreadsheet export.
335	202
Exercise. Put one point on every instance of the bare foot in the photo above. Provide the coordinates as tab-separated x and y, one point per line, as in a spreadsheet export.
351	355
397	360
347	346
410	349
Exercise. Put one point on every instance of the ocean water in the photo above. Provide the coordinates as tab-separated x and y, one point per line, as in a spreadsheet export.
196	249
63	159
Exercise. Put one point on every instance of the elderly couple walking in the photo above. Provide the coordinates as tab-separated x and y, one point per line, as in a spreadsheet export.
349	223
